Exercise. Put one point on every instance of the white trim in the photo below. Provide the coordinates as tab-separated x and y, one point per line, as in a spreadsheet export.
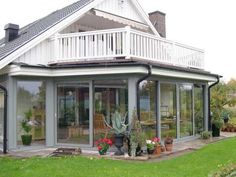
181	74
145	16
46	72
120	19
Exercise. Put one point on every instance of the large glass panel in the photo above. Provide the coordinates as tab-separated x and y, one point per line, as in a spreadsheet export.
147	90
198	108
168	110
73	114
31	98
186	110
109	96
1	118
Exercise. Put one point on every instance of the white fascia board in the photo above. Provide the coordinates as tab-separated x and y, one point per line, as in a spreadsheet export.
183	75
48	33
44	72
145	17
15	70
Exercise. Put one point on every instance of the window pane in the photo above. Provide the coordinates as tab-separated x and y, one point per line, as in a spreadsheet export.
198	109
147	90
168	110
186	118
110	96
31	98
73	114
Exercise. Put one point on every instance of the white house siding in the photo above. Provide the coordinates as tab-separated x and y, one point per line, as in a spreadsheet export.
123	8
40	54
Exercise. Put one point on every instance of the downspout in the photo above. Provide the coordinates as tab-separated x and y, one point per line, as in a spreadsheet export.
149	68
4	120
209	101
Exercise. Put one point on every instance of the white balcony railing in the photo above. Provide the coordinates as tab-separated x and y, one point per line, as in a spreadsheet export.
123	42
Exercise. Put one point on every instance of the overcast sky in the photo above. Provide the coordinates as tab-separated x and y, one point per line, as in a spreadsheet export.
206	24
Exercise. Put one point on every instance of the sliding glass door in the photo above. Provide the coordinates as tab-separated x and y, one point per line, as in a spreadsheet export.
168	110
109	96
73	114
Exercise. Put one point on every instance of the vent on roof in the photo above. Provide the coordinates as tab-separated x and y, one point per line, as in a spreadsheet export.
11	32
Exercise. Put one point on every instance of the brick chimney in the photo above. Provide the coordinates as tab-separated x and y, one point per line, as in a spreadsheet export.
11	32
158	20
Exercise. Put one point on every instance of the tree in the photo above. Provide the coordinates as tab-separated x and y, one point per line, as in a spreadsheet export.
221	97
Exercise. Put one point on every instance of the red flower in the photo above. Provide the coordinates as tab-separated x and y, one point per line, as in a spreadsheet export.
103	143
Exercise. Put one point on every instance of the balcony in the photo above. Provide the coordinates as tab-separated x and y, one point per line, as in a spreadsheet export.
123	43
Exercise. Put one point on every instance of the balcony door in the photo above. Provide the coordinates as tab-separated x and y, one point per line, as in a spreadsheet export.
73	114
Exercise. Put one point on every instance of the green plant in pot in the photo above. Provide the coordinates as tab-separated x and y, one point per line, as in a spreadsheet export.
136	137
26	137
216	126
119	128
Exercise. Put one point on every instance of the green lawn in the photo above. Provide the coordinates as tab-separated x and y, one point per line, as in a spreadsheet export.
198	163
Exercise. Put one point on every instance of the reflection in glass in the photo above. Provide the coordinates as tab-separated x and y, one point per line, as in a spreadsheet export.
147	91
198	108
186	113
31	97
168	110
73	114
109	96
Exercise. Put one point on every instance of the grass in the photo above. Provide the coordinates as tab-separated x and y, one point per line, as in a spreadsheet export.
196	164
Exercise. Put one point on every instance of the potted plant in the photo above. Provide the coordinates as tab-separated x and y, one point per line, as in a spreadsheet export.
26	126
133	144
150	146
216	126
119	128
157	142
103	144
136	137
168	143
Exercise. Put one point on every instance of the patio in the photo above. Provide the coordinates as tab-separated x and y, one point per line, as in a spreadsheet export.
179	149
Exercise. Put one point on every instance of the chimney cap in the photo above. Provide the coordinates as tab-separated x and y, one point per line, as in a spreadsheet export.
11	26
157	11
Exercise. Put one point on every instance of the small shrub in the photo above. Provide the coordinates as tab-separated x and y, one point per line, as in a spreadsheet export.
227	171
205	135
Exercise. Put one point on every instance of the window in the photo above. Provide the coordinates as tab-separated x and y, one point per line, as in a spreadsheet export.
31	97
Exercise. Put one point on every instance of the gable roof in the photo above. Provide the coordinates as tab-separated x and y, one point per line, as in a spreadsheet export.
29	34
36	28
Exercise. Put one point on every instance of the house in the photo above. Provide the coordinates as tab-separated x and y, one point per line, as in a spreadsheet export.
76	66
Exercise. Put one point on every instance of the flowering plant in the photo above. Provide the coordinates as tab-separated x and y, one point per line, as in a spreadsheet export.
156	140
103	145
153	142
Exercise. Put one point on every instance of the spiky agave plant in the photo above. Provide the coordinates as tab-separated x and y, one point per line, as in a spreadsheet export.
118	123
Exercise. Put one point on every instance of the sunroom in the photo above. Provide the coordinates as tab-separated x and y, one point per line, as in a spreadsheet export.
84	66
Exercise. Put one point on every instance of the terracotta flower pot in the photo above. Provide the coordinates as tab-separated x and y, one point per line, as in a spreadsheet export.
169	147
157	150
